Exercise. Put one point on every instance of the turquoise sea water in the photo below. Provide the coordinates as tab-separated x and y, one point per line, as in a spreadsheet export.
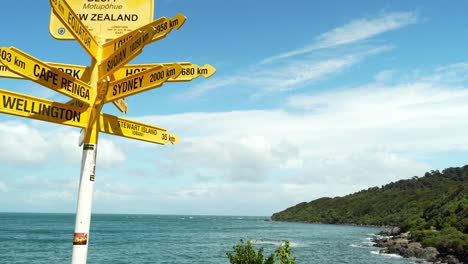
47	238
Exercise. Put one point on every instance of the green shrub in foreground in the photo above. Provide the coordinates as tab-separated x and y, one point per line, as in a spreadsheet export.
244	253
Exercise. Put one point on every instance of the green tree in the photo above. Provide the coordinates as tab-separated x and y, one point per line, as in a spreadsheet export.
244	253
283	254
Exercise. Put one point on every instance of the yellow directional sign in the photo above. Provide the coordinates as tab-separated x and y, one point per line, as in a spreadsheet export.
121	105
132	129
76	103
189	71
174	139
143	81
164	27
107	18
161	26
73	23
129	50
192	71
46	75
76	71
112	45
5	72
41	109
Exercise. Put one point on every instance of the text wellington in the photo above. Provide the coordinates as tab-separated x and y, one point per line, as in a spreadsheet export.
52	111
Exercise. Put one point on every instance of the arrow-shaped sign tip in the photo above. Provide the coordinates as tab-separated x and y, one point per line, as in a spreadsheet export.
210	70
180	20
174	139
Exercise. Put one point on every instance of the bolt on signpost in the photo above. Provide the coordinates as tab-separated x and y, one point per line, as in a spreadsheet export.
108	79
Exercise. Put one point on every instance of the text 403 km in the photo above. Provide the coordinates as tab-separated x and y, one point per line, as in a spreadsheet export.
5	55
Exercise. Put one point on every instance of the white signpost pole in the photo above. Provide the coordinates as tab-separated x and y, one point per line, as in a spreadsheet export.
85	200
88	170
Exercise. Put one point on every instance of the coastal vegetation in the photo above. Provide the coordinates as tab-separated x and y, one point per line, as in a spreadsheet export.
432	208
245	253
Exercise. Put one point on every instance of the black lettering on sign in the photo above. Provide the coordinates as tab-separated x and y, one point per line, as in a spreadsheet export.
156	76
5	55
20	64
188	71
75	88
149	130
127	86
72	72
172	139
45	74
174	23
130	71
79	30
136	130
171	72
83	17
114	17
116	60
160	28
136	44
38	108
202	71
119	43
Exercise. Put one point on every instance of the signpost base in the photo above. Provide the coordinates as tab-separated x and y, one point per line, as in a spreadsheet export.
85	200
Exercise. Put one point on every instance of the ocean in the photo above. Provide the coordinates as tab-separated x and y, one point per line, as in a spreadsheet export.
47	238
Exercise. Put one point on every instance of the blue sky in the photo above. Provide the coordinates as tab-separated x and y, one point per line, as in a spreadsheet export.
310	99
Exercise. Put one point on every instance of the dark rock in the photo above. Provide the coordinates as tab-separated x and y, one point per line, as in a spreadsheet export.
430	254
411	250
395	231
402	246
452	260
404	235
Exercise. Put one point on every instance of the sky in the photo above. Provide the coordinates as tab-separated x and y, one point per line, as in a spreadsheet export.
310	99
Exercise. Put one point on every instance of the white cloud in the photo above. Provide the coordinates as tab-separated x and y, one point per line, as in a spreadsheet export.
214	83
333	143
286	76
372	134
38	142
22	143
366	28
283	73
109	153
297	73
3	187
356	30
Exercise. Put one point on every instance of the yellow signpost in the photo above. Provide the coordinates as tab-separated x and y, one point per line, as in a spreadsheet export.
121	105
129	50
79	31
188	72
108	19
46	75
77	71
133	129
143	81
161	26
41	109
107	79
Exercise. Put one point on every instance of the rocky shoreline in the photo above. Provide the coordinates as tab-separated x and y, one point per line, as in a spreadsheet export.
393	241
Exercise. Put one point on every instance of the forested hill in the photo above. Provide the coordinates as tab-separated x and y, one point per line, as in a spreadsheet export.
434	208
391	204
